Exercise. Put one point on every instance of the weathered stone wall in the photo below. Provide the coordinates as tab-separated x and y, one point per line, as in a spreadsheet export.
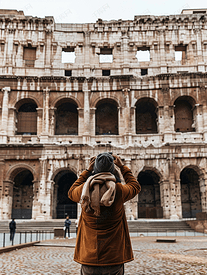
159	120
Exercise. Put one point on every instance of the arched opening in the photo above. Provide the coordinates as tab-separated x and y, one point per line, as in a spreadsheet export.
149	205
107	118
23	195
184	114
27	118
66	119
146	116
63	206
190	193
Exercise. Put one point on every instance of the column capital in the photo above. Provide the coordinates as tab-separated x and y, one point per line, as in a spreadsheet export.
125	91
93	110
46	90
6	89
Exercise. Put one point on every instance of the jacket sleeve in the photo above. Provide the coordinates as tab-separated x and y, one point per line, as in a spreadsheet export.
132	187
75	190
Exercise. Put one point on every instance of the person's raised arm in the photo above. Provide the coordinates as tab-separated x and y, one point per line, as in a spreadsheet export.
132	187
75	190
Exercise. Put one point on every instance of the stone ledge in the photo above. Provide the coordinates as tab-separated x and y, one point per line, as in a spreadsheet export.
17	246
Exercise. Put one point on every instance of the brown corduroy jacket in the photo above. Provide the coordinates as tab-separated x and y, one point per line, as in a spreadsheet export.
105	240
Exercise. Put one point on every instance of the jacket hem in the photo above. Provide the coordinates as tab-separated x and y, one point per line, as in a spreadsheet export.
107	264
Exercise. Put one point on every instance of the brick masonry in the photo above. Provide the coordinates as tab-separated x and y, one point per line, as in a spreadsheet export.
155	119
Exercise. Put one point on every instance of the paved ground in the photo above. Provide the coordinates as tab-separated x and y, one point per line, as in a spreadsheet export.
187	256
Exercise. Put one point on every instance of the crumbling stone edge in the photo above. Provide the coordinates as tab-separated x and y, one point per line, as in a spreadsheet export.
17	246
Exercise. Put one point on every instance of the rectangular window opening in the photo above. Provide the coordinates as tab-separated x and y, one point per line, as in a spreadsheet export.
194	12
68	73
144	71
143	54
68	55
29	55
106	72
106	55
180	53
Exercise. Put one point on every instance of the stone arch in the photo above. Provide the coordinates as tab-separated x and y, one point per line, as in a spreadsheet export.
26	116
109	97
199	171
157	101
154	169
149	203
146	116
191	98
69	168
21	101
184	114
16	169
107	117
23	193
190	191
71	98
62	206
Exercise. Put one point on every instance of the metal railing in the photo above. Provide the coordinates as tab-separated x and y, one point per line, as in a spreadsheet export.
25	237
166	233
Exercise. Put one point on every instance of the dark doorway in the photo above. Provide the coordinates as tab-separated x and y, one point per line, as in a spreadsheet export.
66	119
27	119
149	205
107	119
190	193
23	195
183	116
64	206
146	117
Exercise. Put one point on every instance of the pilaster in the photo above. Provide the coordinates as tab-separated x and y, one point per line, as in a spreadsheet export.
5	113
7	199
2	164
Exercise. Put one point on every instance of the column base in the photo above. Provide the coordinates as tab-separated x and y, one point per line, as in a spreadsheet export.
163	70
174	217
44	139
3	138
168	137
86	139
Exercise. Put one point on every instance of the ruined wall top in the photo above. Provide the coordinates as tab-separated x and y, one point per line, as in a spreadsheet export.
187	16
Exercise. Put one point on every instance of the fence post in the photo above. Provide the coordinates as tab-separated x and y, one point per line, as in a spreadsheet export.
20	238
4	240
31	237
25	237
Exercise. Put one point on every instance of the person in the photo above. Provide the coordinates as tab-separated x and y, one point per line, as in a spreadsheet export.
103	244
12	227
67	227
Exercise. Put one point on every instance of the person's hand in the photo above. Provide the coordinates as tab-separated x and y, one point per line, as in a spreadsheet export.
117	161
90	167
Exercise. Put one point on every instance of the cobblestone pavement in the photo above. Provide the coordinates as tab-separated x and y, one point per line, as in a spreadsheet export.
186	256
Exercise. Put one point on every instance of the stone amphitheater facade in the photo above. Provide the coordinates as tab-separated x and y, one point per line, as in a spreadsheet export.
137	88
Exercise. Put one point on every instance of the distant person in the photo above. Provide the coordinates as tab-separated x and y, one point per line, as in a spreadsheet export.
103	243
12	227
67	227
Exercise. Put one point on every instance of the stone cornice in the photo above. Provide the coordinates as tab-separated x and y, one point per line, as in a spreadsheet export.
191	75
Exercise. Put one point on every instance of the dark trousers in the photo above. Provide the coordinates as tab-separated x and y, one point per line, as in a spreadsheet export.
67	229
102	270
12	233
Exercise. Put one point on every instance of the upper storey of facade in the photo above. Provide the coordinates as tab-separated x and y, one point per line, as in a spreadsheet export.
147	45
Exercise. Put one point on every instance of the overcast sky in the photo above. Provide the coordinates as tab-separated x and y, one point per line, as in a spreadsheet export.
88	11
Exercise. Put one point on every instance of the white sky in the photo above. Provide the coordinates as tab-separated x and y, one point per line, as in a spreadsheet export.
88	11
